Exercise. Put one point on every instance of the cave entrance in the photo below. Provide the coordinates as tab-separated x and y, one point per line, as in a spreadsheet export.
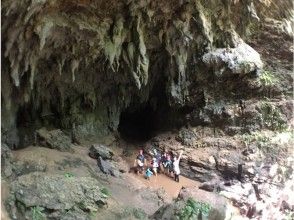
139	124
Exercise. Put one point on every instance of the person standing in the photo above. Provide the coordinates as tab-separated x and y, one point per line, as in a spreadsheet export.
139	162
167	164
176	167
155	166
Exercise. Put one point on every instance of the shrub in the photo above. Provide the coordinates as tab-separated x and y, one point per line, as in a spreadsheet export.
272	117
105	191
37	213
267	78
68	175
193	209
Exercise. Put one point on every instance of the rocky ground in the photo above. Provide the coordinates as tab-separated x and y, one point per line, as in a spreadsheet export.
235	178
70	185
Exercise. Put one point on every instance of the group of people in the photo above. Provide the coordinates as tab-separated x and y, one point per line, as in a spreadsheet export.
168	163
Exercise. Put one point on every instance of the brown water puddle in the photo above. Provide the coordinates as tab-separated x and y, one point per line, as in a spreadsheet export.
171	187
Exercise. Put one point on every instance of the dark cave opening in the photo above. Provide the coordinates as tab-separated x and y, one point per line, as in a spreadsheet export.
139	124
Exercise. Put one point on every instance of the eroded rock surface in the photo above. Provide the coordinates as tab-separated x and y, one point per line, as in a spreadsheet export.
97	150
56	194
55	139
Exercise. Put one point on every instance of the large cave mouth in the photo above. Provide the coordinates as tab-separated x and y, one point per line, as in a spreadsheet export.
139	124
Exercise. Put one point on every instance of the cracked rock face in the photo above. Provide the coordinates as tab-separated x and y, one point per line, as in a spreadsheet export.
79	64
57	194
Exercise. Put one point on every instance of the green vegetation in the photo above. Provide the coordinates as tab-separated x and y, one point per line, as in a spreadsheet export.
268	78
37	213
272	117
105	192
133	213
260	139
93	214
68	175
193	209
269	143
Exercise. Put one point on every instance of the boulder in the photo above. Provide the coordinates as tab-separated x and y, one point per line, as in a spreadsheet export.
240	60
54	194
55	139
107	167
97	150
193	203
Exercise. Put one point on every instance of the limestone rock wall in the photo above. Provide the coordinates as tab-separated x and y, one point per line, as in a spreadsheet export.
79	64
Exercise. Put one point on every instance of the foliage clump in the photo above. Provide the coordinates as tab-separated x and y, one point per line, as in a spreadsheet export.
272	117
105	192
267	78
193	209
68	175
272	145
133	213
37	213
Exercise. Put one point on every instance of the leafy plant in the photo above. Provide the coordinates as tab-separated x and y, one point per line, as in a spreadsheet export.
272	117
68	175
37	213
193	209
105	191
267	78
133	213
93	214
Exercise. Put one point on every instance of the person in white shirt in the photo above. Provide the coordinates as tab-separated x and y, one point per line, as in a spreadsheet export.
176	166
155	166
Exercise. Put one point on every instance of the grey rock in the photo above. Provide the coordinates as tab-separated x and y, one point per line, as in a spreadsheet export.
97	150
217	204
6	160
75	214
11	137
240	60
107	167
187	137
25	167
55	139
209	186
56	192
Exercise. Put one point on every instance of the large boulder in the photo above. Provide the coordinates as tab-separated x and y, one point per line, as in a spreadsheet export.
97	150
54	195
55	139
193	203
240	60
107	167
